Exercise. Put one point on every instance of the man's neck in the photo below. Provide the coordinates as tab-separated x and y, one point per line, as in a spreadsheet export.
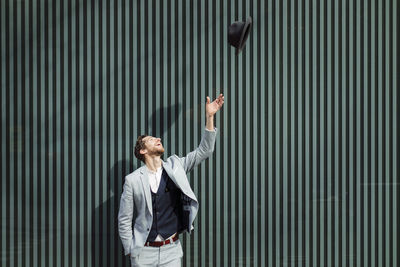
153	163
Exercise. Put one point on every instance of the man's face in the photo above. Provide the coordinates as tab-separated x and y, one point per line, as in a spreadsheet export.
153	146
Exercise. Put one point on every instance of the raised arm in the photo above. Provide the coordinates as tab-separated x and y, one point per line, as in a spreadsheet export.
206	147
211	109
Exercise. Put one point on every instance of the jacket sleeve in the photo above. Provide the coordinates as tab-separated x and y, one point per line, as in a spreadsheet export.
125	216
202	152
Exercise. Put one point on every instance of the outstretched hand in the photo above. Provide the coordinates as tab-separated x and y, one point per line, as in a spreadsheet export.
212	108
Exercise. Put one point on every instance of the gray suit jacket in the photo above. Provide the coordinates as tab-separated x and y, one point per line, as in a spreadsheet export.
136	206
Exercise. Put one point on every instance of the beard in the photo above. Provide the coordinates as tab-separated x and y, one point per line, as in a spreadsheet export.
159	152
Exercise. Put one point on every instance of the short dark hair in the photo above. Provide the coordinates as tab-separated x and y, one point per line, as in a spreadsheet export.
140	144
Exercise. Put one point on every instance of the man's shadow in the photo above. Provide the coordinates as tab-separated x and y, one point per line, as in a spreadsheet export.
106	245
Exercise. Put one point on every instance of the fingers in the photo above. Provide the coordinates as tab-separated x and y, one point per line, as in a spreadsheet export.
219	100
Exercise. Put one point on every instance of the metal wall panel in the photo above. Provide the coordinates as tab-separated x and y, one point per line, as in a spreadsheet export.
306	166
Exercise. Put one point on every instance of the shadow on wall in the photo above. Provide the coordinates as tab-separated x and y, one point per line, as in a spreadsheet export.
158	126
106	245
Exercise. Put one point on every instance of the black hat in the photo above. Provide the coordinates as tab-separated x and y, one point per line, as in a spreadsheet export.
238	33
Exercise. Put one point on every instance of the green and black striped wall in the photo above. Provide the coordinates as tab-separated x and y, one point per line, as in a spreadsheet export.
306	166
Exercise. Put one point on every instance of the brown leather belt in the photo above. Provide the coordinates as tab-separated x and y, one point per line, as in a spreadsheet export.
161	243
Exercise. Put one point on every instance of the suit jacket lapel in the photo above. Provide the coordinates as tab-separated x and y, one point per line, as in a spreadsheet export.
169	171
146	188
182	184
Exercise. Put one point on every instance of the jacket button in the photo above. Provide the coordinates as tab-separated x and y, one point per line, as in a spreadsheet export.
147	229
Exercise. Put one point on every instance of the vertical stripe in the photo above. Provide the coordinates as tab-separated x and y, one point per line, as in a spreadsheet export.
347	146
15	124
392	180
397	144
86	103
354	140
2	101
23	162
93	113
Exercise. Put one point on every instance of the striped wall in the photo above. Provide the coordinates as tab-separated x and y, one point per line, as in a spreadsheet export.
306	166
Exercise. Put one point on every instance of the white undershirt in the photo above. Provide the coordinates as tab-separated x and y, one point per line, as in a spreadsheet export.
154	181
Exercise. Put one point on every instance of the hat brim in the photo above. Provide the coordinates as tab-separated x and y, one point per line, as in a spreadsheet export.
245	35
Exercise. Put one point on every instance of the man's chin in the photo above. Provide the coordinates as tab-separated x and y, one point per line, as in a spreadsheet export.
160	153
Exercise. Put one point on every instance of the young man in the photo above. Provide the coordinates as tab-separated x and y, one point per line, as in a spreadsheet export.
157	203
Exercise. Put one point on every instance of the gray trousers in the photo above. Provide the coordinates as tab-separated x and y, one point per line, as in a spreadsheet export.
169	255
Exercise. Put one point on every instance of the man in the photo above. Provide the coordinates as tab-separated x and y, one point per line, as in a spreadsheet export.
157	203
